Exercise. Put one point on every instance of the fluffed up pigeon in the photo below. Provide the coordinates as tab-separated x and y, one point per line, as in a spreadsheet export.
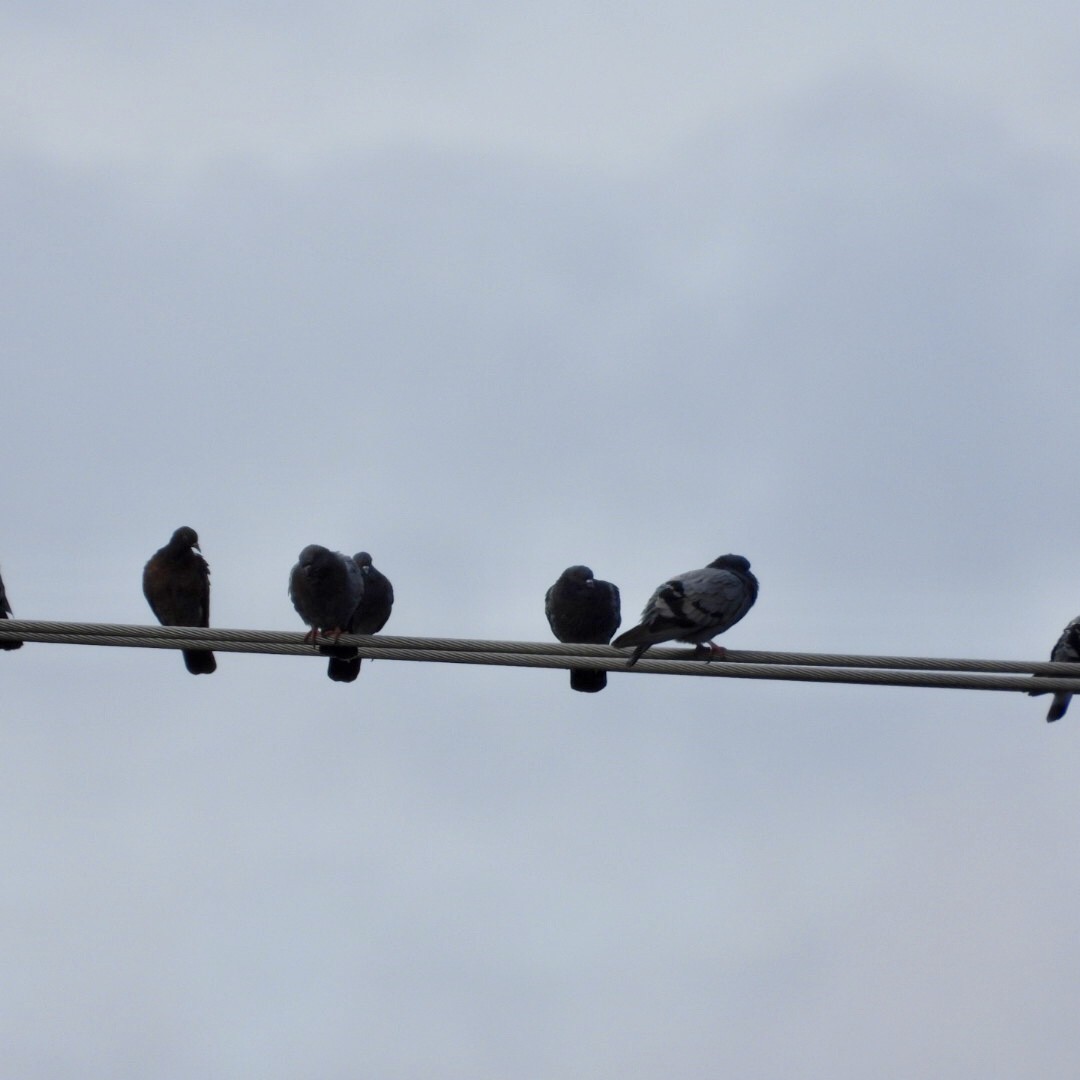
1066	650
694	607
5	612
583	610
176	584
325	588
370	614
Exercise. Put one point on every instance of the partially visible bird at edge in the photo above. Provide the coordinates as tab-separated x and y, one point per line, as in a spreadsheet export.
6	612
1066	650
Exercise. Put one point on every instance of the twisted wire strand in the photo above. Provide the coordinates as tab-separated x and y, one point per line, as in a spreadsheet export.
782	666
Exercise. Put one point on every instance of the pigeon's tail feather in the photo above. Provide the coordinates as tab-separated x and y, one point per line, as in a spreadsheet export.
343	670
1058	707
587	680
342	652
638	636
634	636
200	661
9	645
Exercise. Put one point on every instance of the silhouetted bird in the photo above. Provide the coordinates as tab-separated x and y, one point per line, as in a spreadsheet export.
176	584
1066	650
5	612
370	615
583	610
325	588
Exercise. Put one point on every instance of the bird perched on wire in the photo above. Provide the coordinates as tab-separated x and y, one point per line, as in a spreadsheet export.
176	584
694	607
325	588
1066	650
5	612
581	609
369	616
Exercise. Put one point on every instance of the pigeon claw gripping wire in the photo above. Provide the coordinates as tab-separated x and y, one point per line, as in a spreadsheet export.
709	651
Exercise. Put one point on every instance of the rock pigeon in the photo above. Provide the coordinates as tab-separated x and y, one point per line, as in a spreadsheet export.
695	607
325	588
176	584
1065	651
581	609
370	614
5	611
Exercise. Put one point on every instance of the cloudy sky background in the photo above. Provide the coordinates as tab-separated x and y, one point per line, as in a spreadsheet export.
490	290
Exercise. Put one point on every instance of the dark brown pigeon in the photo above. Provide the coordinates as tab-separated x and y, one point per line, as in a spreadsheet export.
583	610
5	612
694	607
325	588
176	584
370	615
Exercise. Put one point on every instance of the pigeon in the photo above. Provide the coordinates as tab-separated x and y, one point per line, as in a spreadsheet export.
1066	650
176	584
581	609
325	588
5	611
370	614
695	607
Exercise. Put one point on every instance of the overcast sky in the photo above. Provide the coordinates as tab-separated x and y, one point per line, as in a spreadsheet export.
489	290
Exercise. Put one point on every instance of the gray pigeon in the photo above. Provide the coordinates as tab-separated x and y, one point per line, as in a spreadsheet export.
581	609
5	611
370	614
1065	651
176	584
325	588
695	607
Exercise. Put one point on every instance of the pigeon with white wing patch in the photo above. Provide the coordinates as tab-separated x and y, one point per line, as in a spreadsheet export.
694	607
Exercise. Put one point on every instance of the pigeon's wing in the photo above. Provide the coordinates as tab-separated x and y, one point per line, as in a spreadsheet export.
609	609
694	606
376	603
300	594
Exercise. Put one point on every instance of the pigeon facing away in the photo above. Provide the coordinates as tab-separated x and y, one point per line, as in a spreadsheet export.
5	611
1065	651
325	588
370	614
582	610
176	584
695	607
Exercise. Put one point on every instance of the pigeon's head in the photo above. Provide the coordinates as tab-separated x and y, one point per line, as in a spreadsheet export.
314	557
732	562
184	538
578	575
362	559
